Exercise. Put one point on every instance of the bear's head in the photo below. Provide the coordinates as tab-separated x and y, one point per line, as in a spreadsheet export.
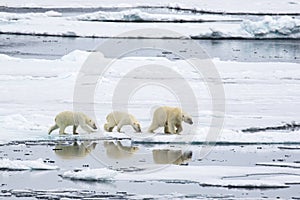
137	127
187	118
108	128
187	155
91	123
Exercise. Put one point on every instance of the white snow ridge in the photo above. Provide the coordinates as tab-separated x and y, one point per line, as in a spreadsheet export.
271	27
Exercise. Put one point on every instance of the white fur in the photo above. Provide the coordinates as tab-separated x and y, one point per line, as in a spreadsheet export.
75	119
170	118
121	119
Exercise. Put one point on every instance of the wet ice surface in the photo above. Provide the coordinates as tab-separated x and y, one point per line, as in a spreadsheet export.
214	176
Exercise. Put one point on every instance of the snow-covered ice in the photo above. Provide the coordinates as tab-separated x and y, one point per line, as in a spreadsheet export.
140	16
101	174
230	16
231	6
33	91
279	164
217	176
6	164
269	27
6	17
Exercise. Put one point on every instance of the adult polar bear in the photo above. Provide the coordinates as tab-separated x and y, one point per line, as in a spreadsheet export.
75	119
171	118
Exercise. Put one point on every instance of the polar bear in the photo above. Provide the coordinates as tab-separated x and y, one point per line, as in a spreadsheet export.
120	119
170	118
75	119
168	156
118	151
74	151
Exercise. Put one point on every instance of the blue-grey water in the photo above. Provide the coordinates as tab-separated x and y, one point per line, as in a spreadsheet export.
238	50
68	156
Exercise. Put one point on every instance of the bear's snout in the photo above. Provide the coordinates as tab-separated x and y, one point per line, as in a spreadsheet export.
138	128
94	126
189	121
188	154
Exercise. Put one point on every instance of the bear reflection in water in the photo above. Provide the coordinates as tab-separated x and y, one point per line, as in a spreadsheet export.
118	151
75	150
168	156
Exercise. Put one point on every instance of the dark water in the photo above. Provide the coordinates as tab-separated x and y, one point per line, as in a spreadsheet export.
238	50
96	154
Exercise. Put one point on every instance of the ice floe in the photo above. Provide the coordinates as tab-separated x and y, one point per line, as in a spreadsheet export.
217	6
271	27
101	174
136	15
33	91
27	16
6	164
279	164
103	24
216	176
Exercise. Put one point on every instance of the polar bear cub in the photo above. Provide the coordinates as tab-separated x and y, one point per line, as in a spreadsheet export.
118	150
121	119
75	119
170	118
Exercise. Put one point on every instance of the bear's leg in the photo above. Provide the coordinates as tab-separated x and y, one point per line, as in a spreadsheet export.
171	127
53	128
108	127
179	128
153	127
120	125
62	130
166	130
74	129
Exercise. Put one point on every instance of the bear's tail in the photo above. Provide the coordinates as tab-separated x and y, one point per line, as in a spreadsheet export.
52	129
